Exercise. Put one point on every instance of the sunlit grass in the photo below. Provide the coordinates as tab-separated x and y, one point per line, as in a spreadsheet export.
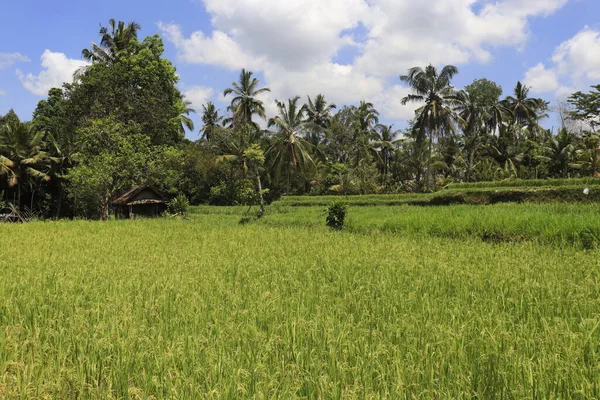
206	308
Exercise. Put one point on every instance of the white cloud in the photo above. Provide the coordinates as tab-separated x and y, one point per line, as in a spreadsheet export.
295	42
9	59
2	92
219	49
575	66
580	56
198	95
56	69
541	80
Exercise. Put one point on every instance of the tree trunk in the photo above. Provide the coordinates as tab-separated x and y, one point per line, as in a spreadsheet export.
261	200
428	176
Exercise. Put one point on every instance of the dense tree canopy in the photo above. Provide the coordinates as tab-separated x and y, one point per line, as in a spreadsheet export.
122	122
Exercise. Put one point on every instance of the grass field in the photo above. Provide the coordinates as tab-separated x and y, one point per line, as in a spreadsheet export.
284	308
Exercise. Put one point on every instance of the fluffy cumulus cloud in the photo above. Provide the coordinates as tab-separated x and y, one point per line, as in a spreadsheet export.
57	68
542	80
295	43
10	59
198	95
575	65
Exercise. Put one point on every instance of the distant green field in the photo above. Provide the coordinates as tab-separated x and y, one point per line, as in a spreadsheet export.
528	183
547	224
408	302
461	195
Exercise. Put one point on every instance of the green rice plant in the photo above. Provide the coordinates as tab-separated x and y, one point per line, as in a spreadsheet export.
206	308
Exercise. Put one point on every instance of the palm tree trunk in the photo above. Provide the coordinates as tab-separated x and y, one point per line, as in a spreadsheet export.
261	200
428	177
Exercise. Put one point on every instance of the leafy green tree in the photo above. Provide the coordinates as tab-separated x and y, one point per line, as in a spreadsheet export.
244	104
484	92
114	159
138	86
587	107
435	117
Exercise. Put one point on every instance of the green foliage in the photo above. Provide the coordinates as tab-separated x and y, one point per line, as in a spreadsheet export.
238	192
336	215
179	205
484	92
587	106
115	158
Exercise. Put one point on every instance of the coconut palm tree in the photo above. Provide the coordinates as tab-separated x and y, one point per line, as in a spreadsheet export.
434	90
318	114
115	39
211	121
244	104
289	151
384	143
22	157
526	111
366	117
184	120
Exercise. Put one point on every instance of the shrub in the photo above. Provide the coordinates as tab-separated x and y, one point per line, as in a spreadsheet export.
179	205
336	214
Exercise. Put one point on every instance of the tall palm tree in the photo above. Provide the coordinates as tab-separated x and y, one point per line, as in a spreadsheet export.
434	90
115	40
318	114
526	111
184	120
290	151
22	155
473	120
211	121
385	143
244	104
366	118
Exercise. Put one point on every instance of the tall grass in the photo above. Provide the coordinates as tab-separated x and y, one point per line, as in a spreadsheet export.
211	309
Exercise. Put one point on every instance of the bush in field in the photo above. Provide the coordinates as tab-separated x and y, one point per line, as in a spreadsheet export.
179	205
336	214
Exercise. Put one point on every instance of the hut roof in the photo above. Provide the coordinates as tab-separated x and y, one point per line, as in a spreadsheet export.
128	198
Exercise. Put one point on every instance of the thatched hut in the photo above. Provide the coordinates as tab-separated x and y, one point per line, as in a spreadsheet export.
141	200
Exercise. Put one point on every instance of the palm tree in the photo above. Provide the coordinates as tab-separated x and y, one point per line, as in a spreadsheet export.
22	158
473	121
526	111
289	151
561	151
435	116
211	121
385	142
318	114
245	105
115	40
184	120
366	118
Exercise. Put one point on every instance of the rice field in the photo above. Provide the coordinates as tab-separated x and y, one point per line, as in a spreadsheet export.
284	308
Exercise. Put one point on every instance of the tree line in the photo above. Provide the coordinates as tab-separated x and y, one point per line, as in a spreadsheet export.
123	121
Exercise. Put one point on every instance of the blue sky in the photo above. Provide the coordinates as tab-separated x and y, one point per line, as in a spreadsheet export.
347	49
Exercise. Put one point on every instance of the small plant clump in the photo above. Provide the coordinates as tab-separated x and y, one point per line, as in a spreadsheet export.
336	214
179	205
